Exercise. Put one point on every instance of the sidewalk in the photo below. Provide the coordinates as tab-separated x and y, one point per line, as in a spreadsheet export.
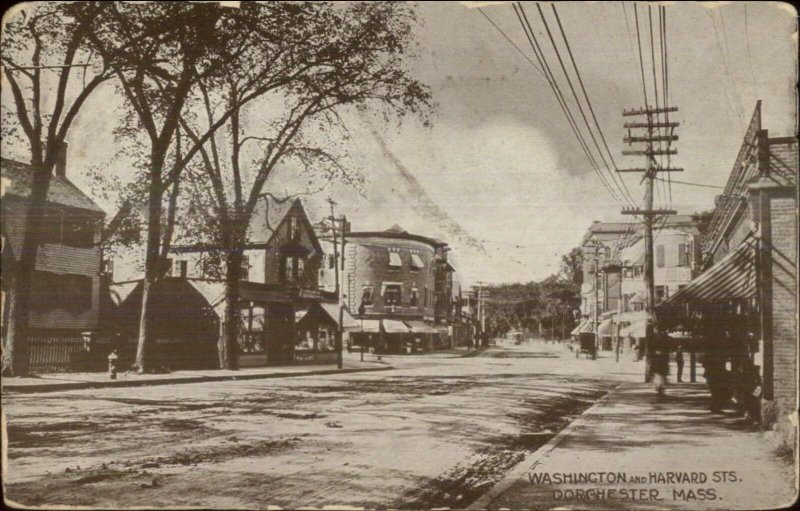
633	433
77	381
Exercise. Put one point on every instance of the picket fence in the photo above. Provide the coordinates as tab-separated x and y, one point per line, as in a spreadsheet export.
67	354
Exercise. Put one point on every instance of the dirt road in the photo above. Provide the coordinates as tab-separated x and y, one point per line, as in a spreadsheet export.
436	431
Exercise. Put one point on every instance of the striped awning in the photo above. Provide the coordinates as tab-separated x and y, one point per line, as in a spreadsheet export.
605	327
732	278
586	325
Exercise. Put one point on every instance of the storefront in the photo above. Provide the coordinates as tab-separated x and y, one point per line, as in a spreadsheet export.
316	326
717	316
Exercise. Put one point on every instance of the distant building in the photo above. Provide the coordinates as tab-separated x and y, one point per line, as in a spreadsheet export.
65	300
616	251
404	283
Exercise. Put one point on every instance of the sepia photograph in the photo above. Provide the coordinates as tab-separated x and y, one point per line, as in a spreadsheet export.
377	255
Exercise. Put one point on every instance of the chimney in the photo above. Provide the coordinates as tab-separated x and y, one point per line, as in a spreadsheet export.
61	160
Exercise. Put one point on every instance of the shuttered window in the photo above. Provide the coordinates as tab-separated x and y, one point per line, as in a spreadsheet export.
660	256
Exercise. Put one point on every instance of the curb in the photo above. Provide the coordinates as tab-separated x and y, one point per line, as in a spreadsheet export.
57	387
532	459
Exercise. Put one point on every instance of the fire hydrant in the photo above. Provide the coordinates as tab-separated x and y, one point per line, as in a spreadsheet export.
112	365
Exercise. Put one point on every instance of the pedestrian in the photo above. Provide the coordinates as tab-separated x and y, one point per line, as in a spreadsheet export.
679	362
659	361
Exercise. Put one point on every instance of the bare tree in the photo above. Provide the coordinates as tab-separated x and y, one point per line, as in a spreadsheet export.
345	57
45	53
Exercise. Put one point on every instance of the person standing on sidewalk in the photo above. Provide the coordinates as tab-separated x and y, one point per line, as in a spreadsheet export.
679	362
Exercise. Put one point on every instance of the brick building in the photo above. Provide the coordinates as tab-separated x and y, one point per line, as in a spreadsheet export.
748	293
404	283
66	286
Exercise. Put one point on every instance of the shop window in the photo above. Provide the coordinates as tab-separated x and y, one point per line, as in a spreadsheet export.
392	294
251	328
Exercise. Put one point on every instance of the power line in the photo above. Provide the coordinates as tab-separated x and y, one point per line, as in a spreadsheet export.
586	96
692	184
524	55
662	12
526	27
641	59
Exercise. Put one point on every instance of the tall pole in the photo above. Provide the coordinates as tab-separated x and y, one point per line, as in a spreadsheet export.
596	311
337	288
340	329
648	213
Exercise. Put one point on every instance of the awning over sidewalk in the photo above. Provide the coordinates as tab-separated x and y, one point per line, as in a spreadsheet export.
732	278
392	326
370	326
332	310
584	326
420	327
635	330
606	327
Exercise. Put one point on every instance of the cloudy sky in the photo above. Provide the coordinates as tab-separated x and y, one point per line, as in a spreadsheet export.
500	175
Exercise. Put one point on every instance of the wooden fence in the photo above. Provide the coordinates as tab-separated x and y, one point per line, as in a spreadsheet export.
68	354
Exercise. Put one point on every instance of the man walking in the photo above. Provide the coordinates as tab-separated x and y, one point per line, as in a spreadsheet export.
679	362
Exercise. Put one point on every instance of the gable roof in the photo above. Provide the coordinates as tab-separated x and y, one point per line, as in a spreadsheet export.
18	177
268	216
264	224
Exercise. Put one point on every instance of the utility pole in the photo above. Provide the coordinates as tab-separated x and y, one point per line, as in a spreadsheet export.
595	310
338	288
648	214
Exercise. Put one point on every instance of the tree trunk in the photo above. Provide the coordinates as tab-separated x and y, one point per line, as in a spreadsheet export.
15	349
153	266
228	344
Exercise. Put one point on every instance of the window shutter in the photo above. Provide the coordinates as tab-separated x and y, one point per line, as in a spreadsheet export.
681	254
660	256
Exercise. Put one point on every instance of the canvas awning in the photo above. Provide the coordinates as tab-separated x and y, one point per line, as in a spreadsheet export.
394	259
420	327
332	310
370	326
416	262
605	327
732	278
584	326
392	326
636	330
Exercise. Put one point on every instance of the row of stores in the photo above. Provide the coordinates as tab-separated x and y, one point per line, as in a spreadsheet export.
277	327
395	336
